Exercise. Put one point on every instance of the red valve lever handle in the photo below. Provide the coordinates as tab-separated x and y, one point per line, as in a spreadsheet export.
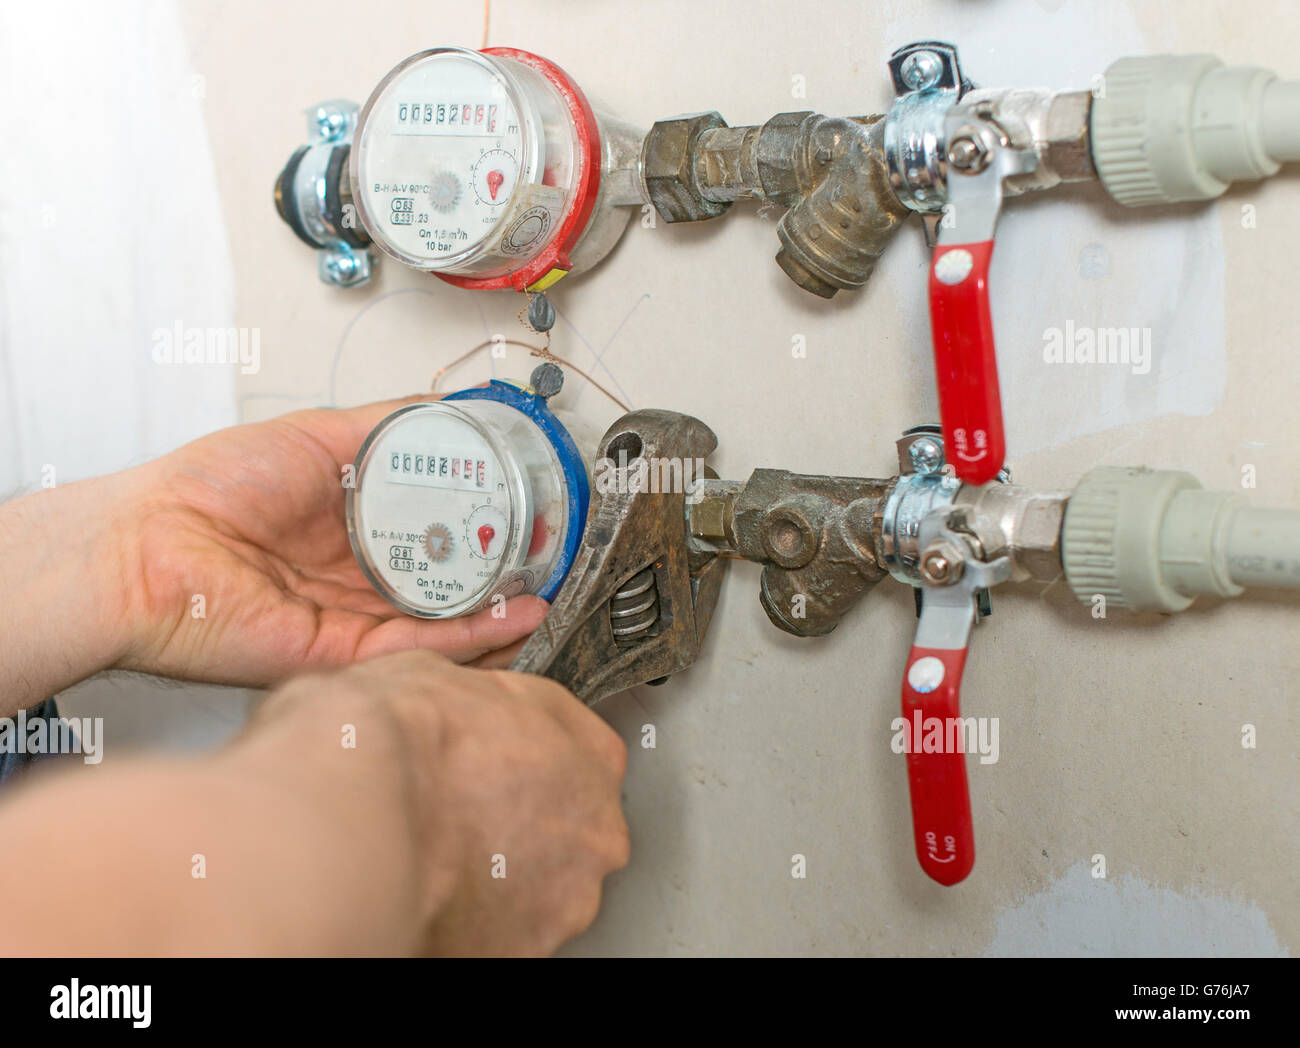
965	364
941	820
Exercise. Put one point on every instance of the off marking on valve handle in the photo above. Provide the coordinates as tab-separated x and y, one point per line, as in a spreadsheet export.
965	363
941	818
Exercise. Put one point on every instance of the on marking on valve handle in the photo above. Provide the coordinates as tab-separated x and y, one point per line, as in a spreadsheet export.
970	446
937	853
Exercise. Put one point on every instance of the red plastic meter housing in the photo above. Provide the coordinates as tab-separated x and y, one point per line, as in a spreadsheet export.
485	169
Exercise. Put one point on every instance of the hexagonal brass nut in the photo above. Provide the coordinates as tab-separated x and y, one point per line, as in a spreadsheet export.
1068	149
942	563
667	163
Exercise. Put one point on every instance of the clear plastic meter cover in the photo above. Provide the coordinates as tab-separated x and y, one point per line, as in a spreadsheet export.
464	162
456	502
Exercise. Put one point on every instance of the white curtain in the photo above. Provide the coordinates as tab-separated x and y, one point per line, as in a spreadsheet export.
110	229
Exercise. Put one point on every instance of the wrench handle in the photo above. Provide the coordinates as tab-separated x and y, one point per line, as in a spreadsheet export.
965	363
941	819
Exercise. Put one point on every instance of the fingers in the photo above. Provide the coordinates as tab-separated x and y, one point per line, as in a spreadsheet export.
462	640
576	716
612	749
501	659
608	840
358	596
365	417
526	771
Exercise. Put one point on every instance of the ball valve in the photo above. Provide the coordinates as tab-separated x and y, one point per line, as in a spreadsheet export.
1145	540
1157	130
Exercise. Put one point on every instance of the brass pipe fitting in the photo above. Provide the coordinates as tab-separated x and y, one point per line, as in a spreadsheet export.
830	172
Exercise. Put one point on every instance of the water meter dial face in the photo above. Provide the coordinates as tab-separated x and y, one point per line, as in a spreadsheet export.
465	163
455	504
433	491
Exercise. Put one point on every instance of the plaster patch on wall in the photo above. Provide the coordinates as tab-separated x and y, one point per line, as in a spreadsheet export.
1126	916
1163	272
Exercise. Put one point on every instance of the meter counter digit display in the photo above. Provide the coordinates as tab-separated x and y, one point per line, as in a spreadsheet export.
435	468
441	118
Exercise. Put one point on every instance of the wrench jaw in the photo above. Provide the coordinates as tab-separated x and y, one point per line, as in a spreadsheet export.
634	570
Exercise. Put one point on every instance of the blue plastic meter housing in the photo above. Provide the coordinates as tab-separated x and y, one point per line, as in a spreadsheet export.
577	489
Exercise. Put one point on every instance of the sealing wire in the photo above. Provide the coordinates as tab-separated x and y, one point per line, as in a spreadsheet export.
544	352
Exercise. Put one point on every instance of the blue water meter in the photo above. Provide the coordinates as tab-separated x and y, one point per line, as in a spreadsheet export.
466	500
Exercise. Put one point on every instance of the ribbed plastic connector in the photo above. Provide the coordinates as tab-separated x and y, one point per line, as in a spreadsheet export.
1170	128
1147	540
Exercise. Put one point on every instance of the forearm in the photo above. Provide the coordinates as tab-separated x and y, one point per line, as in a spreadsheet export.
64	579
286	843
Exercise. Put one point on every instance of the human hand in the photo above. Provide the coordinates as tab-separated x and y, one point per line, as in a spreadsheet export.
512	786
362	811
225	561
252	518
